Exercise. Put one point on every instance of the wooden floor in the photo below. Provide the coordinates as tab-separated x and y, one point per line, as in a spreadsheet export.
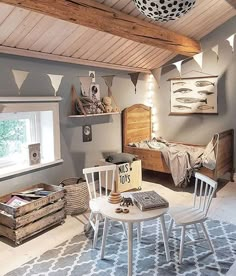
223	208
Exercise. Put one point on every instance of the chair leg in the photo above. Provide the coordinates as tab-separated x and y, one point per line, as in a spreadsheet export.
95	237
207	237
182	244
125	229
91	218
198	234
170	228
104	237
139	226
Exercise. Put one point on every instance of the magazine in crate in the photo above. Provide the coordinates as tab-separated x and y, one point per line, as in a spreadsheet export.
149	200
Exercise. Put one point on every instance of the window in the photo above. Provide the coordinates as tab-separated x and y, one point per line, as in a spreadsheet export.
17	131
22	124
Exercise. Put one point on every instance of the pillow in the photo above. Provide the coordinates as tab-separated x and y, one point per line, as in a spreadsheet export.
119	158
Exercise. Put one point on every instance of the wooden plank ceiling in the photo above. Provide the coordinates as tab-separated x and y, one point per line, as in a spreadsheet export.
27	33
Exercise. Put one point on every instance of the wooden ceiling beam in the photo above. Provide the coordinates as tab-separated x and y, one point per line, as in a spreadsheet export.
232	3
103	18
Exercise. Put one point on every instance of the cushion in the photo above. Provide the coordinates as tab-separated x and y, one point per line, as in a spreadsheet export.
119	158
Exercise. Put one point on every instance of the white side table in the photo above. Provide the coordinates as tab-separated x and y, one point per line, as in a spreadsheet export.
135	215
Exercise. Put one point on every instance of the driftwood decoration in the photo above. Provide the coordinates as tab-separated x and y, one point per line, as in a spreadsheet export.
75	99
134	79
84	105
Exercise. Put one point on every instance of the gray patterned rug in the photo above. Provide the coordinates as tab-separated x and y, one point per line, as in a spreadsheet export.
76	257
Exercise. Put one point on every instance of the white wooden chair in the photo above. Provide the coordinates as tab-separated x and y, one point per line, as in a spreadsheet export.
195	214
106	177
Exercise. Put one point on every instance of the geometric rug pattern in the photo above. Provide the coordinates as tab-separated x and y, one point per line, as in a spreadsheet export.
76	257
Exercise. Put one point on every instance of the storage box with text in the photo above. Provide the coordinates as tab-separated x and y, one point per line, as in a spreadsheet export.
128	176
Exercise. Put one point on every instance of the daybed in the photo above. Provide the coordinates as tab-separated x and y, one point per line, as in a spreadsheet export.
136	126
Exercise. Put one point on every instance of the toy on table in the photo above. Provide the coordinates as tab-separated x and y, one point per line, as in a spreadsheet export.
126	201
121	210
114	198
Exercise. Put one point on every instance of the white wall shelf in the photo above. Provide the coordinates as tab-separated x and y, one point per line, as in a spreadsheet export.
93	115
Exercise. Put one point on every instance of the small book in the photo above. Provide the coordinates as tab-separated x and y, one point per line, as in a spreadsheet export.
16	201
149	200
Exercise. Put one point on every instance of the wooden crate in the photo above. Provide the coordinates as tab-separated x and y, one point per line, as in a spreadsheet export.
25	221
128	176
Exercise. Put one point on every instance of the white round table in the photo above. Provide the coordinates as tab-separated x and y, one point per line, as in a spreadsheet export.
135	215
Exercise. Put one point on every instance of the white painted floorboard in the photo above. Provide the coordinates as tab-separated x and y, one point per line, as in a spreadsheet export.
223	208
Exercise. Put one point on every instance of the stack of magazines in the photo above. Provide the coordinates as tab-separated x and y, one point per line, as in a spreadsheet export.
149	200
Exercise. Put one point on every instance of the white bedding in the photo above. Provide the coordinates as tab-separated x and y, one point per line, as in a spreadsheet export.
181	159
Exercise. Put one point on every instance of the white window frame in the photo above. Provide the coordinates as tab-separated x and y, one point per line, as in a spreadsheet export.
34	104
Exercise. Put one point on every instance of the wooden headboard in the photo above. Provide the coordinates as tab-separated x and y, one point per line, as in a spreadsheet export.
136	124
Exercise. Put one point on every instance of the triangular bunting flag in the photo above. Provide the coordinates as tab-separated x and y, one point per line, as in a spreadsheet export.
178	65
216	50
198	59
231	41
157	75
85	83
20	77
55	81
108	80
134	79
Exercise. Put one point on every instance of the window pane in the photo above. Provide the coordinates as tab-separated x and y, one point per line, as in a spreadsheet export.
13	136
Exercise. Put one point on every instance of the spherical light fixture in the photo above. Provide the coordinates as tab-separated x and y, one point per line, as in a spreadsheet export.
164	10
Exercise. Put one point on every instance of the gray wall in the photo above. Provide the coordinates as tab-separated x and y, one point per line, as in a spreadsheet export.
106	129
200	128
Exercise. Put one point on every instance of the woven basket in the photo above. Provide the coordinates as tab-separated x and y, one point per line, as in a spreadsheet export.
77	196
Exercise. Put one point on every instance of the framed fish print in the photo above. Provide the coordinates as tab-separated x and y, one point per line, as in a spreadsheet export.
194	95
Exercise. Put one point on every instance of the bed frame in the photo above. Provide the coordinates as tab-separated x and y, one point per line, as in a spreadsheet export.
136	126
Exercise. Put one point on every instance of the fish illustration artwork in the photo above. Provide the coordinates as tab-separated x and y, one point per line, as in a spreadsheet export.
182	107
204	83
183	90
205	107
189	100
182	83
205	92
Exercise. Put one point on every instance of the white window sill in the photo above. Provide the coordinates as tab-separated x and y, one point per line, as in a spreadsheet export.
26	168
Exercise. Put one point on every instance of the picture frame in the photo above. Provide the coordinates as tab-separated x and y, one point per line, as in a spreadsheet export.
95	92
93	76
34	154
195	95
87	133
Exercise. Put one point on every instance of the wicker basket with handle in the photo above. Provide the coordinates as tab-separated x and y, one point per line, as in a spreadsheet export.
77	196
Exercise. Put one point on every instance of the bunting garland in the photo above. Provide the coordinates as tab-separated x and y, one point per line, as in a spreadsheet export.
85	85
216	50
198	58
178	66
231	41
157	75
19	77
55	81
108	81
134	79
